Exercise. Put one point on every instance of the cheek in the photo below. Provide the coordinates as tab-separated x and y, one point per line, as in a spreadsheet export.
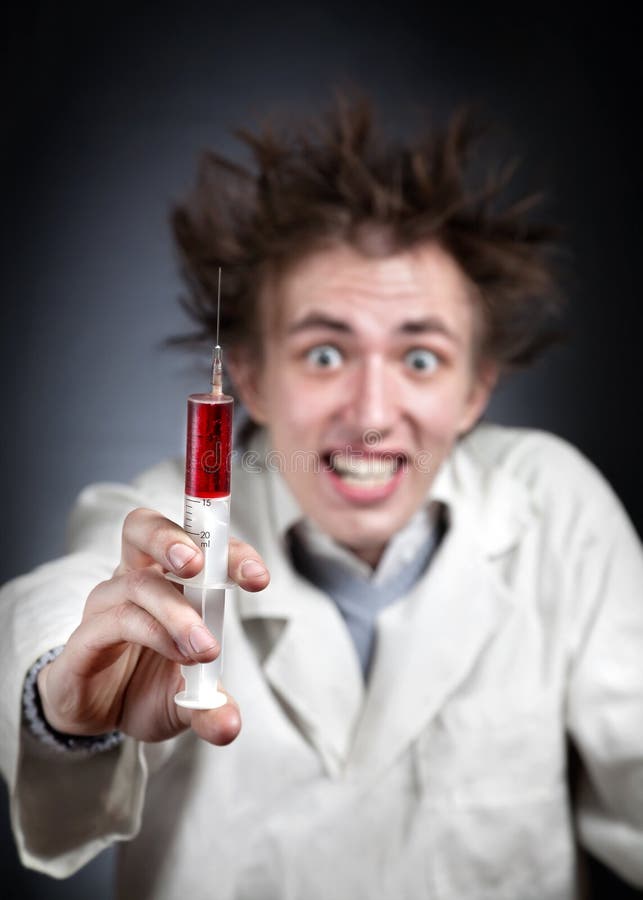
297	412
438	413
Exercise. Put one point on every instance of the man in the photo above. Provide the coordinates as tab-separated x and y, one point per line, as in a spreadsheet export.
452	606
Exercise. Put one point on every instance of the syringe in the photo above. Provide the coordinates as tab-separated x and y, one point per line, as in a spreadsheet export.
207	520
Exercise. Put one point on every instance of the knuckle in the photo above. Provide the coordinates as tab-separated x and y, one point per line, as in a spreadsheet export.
137	581
123	611
93	600
180	627
153	628
167	533
139	525
133	517
95	593
239	549
164	536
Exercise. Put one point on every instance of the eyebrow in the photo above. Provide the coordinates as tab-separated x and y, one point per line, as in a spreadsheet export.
318	320
428	325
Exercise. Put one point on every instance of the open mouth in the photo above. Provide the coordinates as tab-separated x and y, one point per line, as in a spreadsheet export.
365	474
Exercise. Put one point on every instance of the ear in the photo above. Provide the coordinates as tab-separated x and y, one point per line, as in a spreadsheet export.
484	381
245	375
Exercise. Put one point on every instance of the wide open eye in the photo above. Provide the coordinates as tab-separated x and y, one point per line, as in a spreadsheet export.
324	356
422	361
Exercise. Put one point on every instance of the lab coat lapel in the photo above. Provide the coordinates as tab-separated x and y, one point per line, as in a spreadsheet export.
312	667
427	644
314	670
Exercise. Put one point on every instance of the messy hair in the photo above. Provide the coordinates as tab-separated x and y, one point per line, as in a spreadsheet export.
338	180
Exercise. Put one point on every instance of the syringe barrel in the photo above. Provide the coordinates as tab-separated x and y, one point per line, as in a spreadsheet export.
207	483
209	445
207	521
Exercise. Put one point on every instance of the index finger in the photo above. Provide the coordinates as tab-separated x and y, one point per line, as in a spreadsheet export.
246	567
148	537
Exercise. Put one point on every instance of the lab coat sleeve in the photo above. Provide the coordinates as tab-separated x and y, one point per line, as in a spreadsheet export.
65	807
605	700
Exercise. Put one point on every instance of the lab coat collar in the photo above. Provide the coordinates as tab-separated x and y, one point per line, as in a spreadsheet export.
471	484
427	643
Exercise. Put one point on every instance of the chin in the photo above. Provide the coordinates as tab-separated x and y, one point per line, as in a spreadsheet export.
360	536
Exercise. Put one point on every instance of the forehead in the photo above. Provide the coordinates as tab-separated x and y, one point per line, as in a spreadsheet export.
382	292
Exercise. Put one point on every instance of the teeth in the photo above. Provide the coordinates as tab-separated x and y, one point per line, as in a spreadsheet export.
364	482
356	470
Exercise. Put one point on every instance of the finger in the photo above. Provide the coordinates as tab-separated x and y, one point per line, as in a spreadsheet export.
163	601
88	648
246	567
216	726
148	537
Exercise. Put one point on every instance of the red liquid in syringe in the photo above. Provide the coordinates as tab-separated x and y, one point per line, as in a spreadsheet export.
209	444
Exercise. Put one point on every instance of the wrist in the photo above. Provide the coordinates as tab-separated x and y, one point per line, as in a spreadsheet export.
39	724
40	695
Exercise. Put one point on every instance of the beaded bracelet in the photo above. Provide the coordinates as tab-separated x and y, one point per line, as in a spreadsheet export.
40	728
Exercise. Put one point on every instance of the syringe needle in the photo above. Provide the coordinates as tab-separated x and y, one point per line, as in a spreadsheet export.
218	304
217	357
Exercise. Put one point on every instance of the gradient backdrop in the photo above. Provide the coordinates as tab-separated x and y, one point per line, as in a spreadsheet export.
105	113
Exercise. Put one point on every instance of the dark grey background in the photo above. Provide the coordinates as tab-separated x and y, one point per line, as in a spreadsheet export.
104	118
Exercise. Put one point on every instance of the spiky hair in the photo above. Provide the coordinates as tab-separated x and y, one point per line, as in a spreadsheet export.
338	180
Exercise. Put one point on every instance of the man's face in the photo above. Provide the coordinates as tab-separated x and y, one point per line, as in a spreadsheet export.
368	378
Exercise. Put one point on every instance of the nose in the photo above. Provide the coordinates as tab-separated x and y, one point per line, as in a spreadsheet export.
371	401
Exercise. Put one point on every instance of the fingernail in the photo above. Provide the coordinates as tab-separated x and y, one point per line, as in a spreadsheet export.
201	639
182	650
180	555
250	568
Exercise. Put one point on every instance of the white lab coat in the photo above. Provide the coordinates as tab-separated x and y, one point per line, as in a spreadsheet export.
447	777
